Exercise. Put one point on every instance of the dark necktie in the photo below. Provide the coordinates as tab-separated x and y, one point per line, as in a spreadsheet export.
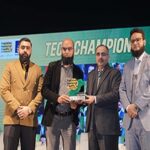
99	76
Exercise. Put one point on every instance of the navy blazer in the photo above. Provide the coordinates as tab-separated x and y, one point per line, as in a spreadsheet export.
50	91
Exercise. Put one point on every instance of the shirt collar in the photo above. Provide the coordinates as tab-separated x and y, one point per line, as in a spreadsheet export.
141	57
24	67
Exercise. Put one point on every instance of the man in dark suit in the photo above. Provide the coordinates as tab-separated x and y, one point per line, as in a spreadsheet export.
102	99
61	115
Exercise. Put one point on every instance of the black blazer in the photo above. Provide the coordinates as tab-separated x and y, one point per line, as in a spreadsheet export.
107	97
50	91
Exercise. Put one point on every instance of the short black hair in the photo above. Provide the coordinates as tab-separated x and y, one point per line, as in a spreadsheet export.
25	39
137	30
102	45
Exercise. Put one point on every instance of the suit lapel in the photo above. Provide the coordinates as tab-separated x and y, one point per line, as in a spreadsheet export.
58	73
141	69
21	74
92	83
103	77
20	71
130	73
30	74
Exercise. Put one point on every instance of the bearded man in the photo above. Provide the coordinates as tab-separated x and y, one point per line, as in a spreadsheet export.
60	115
20	88
135	94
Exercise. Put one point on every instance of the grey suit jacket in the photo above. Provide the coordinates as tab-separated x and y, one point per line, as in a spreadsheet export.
142	96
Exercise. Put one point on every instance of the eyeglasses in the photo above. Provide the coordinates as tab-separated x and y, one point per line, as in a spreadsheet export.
67	48
136	40
102	54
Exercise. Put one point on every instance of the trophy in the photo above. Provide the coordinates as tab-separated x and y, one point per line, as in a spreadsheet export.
74	87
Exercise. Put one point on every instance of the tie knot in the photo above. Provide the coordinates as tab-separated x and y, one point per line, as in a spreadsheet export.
99	74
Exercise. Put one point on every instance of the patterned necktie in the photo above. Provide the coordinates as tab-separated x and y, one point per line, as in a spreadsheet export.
99	76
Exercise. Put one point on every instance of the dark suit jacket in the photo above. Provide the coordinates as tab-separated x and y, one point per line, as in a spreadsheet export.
51	88
107	97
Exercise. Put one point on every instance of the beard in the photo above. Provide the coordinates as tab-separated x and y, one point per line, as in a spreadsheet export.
138	53
24	58
67	60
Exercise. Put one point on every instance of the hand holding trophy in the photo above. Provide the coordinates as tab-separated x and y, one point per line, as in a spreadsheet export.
75	86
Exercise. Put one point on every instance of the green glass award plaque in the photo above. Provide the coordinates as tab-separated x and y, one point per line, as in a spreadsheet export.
74	86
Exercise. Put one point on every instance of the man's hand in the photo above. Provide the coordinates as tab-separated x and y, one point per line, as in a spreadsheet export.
132	110
23	111
90	99
63	99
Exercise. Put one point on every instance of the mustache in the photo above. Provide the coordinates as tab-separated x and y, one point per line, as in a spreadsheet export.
24	58
100	60
25	55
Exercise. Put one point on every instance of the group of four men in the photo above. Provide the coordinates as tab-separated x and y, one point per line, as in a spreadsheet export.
22	88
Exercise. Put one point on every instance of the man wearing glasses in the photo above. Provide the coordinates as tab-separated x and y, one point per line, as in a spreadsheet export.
135	94
102	99
61	115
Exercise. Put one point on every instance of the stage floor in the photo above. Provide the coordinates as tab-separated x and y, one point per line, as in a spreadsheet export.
80	145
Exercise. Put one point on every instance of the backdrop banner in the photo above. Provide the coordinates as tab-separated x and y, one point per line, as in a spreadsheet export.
46	48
